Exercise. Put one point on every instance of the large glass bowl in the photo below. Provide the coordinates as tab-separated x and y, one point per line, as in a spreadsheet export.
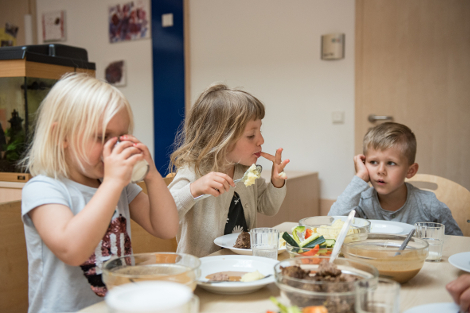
358	230
177	267
335	296
379	250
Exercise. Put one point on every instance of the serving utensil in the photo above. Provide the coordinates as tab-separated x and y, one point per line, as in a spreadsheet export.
259	169
341	236
405	242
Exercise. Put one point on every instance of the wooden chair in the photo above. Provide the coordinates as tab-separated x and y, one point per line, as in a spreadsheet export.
455	196
142	241
13	260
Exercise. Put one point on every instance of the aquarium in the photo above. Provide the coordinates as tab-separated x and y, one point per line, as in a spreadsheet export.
27	73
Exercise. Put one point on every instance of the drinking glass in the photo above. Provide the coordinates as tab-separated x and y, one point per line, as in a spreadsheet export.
152	297
264	242
377	296
433	233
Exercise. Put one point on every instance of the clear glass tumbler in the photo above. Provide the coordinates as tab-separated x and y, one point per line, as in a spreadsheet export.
377	296
433	233
264	242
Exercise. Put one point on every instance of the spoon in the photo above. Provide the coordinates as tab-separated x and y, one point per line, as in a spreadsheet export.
259	169
407	239
210	282
341	236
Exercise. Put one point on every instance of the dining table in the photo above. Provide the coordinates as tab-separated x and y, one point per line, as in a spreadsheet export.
428	286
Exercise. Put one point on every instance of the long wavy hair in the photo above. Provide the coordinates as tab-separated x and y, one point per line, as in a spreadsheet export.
214	124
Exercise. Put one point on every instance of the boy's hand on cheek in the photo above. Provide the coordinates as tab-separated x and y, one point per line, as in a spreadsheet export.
278	167
361	169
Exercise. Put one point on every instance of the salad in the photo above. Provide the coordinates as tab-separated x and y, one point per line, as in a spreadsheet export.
305	242
295	309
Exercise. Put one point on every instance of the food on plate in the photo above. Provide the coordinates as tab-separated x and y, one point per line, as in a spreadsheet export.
243	241
252	276
334	281
332	231
311	244
283	175
295	309
226	276
252	175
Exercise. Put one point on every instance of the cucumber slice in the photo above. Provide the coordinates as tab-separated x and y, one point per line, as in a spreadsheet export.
309	240
317	241
289	239
330	242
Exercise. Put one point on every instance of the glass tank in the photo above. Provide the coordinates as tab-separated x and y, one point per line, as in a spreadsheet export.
27	74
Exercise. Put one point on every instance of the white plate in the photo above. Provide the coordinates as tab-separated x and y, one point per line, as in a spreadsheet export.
435	308
390	227
228	241
461	261
241	263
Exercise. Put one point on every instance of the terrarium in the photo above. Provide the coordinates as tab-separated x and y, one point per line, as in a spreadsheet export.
27	73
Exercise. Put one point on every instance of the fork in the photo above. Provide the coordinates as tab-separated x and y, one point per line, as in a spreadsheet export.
259	169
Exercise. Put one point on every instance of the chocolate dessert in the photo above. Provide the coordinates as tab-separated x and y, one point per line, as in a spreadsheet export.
243	241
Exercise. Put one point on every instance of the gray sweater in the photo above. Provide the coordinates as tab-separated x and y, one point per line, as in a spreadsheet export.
420	206
204	220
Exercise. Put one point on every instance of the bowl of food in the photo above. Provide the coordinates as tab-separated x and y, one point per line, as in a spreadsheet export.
330	226
317	250
312	281
380	250
176	267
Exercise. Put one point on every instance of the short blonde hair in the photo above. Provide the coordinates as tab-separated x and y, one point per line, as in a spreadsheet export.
72	111
215	122
388	135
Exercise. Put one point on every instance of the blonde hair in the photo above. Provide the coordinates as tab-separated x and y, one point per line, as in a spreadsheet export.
215	122
388	135
72	112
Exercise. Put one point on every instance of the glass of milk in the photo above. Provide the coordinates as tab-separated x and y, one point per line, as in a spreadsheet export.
140	170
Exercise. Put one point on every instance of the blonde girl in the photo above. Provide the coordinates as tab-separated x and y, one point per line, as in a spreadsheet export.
221	139
77	208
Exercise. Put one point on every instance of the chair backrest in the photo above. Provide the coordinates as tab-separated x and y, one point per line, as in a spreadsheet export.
13	260
455	196
142	241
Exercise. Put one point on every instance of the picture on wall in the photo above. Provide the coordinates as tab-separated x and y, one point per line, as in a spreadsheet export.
53	26
129	21
115	73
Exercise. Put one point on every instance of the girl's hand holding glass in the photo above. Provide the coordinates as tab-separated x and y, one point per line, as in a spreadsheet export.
214	183
151	169
119	160
278	167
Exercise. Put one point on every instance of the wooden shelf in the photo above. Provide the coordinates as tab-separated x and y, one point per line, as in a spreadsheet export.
23	68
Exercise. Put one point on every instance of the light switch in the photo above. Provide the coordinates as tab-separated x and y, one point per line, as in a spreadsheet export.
167	20
338	117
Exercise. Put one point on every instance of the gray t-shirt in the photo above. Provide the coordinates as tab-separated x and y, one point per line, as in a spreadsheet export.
420	206
53	285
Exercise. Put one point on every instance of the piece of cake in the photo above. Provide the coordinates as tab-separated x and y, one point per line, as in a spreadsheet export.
243	241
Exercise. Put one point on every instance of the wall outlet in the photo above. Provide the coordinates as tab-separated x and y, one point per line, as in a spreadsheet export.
338	117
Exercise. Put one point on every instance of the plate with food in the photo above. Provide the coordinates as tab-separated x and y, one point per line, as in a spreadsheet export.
235	274
461	261
390	227
239	243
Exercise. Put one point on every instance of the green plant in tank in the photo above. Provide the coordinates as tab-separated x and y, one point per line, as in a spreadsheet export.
16	143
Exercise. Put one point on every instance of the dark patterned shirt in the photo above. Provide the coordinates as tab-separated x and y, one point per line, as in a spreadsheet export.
236	222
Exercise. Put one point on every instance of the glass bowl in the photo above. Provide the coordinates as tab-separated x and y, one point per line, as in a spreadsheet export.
295	252
358	230
379	250
335	296
177	267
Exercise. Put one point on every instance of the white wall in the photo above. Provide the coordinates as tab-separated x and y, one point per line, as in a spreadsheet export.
87	27
271	48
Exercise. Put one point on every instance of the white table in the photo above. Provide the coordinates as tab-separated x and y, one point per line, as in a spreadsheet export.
426	287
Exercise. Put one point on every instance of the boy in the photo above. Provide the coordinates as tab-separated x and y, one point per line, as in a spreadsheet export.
389	158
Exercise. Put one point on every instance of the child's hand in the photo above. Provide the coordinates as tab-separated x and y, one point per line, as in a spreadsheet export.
278	167
361	169
144	150
119	161
214	183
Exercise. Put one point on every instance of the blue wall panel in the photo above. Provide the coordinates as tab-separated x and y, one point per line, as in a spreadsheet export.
168	78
